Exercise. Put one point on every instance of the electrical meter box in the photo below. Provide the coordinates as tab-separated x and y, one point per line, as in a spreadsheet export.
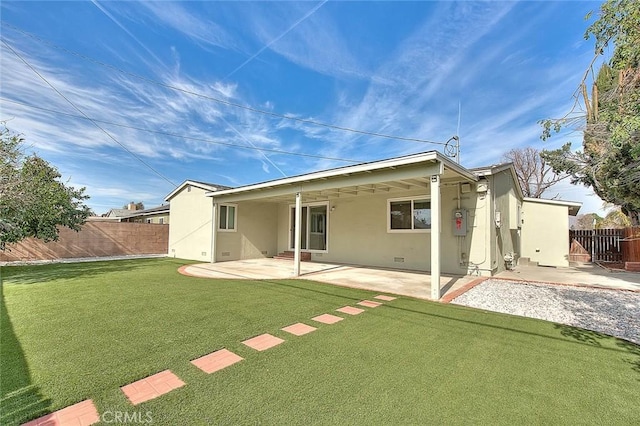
460	223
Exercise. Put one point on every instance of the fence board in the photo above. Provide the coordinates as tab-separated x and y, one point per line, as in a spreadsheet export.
631	245
604	245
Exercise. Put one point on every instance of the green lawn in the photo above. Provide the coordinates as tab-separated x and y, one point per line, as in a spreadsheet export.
77	331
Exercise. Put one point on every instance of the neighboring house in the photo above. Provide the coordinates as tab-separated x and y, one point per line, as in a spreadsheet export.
117	214
419	212
158	214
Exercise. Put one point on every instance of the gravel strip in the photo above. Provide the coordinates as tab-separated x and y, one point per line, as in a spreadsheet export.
612	312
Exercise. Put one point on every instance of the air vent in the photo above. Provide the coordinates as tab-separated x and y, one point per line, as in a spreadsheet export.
226	253
398	259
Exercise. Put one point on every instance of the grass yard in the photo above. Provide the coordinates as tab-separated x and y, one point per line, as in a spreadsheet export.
71	332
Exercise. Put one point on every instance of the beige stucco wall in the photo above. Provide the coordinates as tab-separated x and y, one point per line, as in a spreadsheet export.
256	233
190	228
358	234
507	235
545	233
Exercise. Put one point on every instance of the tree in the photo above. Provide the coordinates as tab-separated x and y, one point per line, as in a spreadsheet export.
534	174
609	161
587	221
33	202
614	219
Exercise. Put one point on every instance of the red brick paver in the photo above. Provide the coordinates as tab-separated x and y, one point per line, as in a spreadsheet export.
152	387
216	361
327	319
81	414
385	298
350	310
369	304
299	329
447	298
263	342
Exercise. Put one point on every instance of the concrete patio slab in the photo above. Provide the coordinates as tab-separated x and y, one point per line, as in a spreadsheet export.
152	387
216	361
402	282
263	342
81	414
587	274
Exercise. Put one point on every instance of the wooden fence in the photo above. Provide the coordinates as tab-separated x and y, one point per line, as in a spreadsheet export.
631	245
607	245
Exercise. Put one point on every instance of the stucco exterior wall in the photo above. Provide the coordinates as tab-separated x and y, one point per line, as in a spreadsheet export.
190	230
256	234
545	233
357	234
507	234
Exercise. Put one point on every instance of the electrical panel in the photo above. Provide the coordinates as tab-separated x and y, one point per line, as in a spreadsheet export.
460	223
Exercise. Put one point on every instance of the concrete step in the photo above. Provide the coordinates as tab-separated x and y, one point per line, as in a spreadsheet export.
525	261
289	255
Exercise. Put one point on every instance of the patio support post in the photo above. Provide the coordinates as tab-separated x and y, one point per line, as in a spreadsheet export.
435	237
214	234
297	235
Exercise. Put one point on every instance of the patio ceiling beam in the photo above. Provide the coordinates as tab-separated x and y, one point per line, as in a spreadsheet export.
416	182
387	177
398	185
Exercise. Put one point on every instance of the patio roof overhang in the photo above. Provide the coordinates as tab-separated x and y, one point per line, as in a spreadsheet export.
386	176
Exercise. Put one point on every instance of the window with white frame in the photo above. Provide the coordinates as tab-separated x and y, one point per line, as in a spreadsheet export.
409	214
227	217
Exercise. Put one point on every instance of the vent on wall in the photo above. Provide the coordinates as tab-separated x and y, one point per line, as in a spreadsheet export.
264	252
398	259
226	253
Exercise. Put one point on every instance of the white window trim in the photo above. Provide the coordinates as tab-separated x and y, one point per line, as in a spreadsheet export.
235	217
406	231
320	203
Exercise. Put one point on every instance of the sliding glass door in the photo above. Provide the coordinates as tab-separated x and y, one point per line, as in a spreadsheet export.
314	227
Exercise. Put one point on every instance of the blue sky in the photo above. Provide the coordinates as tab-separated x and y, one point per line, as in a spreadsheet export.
153	74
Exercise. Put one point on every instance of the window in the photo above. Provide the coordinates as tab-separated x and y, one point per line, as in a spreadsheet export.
409	215
148	221
227	220
161	220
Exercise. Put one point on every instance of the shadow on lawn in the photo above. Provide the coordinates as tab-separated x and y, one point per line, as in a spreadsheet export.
593	338
20	400
35	274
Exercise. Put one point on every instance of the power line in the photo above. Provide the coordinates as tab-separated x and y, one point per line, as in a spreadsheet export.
222	101
85	115
176	135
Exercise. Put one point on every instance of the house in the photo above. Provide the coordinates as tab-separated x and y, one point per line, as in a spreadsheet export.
419	212
158	215
118	214
190	233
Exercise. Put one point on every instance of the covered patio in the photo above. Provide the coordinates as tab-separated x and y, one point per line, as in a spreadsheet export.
394	281
374	214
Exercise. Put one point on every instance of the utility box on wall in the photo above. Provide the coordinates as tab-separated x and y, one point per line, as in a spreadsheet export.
460	223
